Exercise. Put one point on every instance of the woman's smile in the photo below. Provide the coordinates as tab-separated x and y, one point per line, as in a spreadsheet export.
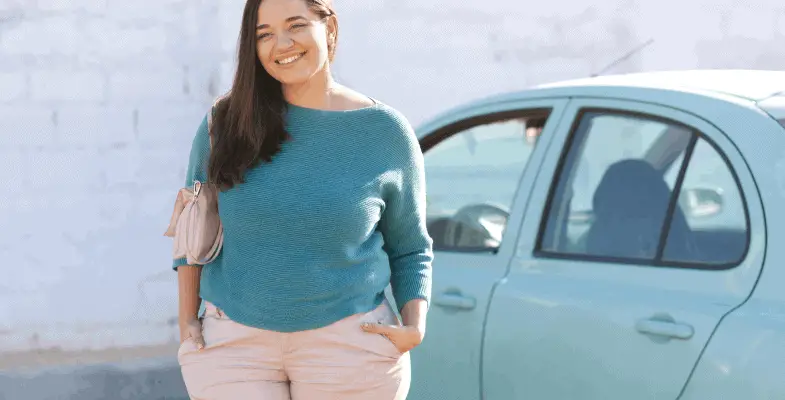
289	59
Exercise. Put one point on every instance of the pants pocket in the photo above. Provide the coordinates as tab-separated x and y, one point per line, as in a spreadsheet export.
210	315
186	346
384	315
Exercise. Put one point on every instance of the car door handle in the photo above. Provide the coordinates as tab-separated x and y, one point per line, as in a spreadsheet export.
455	300
665	328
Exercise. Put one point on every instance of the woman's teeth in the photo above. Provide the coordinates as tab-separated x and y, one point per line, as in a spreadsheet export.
290	60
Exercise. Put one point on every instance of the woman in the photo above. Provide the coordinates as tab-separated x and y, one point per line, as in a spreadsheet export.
322	201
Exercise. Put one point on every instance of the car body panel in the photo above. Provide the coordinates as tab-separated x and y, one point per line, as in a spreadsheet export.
576	336
449	358
739	312
775	106
744	359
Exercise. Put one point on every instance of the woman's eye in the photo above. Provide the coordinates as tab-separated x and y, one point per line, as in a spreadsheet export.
298	26
262	36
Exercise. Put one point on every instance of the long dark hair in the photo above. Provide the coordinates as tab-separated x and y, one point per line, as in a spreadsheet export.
248	126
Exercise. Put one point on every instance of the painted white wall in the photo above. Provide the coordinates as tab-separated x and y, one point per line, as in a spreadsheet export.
99	101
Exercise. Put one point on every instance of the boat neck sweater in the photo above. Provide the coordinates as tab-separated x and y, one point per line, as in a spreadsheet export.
317	234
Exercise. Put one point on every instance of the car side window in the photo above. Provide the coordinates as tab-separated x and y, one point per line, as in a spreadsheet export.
715	212
472	176
615	195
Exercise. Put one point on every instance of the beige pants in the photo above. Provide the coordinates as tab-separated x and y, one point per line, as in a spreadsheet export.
339	361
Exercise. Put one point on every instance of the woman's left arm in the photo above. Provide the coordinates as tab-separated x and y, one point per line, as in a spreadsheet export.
406	239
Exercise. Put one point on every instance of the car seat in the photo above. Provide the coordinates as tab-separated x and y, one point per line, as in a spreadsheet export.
630	206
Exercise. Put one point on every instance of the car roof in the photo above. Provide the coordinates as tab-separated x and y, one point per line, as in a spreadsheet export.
752	85
748	85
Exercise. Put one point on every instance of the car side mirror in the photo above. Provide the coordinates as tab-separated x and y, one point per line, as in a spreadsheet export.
701	202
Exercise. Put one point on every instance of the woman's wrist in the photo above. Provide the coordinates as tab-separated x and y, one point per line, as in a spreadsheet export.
414	314
189	300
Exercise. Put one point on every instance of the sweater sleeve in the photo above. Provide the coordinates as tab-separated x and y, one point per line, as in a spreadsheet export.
197	166
403	226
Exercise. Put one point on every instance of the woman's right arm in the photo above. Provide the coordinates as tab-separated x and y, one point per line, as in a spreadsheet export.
188	317
188	276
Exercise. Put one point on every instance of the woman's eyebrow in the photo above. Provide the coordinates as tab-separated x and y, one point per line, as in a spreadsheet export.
290	19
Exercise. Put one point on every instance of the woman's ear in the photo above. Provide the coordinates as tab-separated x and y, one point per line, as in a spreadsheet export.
332	36
332	28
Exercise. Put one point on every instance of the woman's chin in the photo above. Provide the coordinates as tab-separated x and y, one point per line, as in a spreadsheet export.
295	75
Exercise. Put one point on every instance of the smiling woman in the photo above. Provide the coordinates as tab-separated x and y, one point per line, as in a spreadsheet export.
322	204
284	45
295	39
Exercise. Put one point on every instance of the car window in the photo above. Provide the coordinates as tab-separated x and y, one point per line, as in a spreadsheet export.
612	199
615	195
782	122
715	230
472	177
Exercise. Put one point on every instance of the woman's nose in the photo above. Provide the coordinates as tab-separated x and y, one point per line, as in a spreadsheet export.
284	41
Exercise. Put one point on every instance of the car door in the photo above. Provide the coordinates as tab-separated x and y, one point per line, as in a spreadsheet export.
475	161
643	230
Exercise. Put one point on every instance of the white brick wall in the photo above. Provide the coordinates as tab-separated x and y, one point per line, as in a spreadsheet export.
67	86
87	126
93	6
149	84
99	100
13	86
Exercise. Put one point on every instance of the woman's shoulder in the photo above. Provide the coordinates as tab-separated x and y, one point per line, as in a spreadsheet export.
389	117
393	122
390	131
361	102
383	118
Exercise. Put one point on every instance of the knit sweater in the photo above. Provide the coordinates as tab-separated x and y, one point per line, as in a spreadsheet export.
317	234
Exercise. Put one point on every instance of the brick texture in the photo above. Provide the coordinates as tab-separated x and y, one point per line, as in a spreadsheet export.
99	101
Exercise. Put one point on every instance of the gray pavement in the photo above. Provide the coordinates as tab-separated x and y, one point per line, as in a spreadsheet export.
153	378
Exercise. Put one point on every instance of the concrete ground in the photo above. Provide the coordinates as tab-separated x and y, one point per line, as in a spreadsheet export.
139	373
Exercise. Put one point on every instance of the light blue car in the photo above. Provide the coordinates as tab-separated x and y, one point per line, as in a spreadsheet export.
633	248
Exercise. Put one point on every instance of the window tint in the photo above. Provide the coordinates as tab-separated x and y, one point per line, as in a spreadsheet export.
472	177
615	195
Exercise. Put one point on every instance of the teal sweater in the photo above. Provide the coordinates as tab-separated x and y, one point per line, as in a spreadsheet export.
317	234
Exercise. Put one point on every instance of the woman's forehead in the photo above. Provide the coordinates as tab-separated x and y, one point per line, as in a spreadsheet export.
279	11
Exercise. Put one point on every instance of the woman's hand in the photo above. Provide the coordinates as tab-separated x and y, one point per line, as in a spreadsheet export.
405	338
412	333
193	329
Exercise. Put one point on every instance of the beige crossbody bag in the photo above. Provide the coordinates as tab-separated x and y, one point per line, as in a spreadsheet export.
195	224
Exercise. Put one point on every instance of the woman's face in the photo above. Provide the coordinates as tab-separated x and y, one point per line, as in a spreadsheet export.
291	40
